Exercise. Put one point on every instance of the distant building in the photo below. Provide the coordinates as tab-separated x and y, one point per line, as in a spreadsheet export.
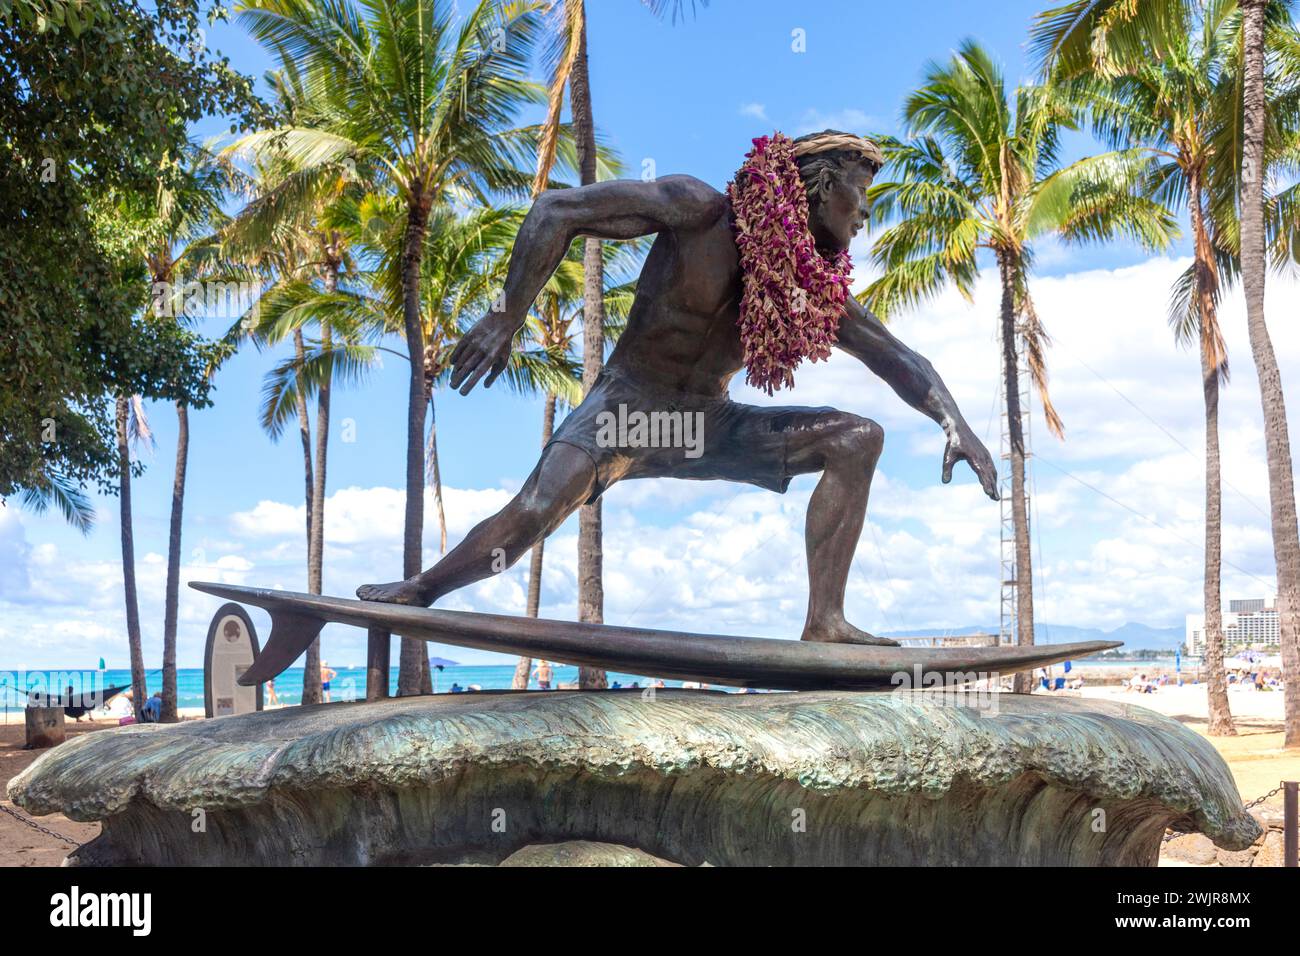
950	640
1245	624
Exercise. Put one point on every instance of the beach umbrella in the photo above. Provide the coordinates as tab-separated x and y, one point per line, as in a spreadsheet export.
438	663
1067	667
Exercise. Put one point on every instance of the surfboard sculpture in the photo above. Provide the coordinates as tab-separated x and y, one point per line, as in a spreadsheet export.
757	662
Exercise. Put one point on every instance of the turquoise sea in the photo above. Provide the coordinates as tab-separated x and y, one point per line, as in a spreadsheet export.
350	684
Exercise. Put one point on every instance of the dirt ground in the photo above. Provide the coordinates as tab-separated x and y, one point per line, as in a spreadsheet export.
1256	757
20	845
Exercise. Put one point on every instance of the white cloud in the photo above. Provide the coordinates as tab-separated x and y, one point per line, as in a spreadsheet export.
754	110
849	120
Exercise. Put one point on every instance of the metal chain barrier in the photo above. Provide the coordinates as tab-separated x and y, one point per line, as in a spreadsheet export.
21	818
1255	803
1174	834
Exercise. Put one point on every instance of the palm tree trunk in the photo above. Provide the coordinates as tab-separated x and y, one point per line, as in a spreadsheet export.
1019	503
171	605
311	693
1277	442
525	665
591	586
411	670
311	682
128	556
435	474
1221	724
1207	284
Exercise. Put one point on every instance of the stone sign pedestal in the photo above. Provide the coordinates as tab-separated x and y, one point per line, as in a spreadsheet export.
44	727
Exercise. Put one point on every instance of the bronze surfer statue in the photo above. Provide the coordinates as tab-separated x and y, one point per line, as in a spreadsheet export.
754	278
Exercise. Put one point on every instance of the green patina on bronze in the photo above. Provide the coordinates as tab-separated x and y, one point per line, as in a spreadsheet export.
687	777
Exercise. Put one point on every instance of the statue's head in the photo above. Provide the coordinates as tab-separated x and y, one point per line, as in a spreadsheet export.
836	169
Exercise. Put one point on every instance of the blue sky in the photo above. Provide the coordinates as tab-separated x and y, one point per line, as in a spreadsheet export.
713	557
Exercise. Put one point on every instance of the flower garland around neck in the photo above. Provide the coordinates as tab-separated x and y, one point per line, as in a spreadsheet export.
792	295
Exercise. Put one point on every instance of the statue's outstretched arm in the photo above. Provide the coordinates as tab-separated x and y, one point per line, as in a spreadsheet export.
916	382
618	209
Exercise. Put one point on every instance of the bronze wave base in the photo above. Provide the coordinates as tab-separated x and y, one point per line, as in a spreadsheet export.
927	778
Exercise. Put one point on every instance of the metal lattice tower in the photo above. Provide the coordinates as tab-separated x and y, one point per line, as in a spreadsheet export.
1007	576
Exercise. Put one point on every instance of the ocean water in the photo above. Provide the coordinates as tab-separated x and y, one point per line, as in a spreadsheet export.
350	684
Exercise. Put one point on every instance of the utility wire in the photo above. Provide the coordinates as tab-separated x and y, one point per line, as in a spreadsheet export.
1148	519
1172	437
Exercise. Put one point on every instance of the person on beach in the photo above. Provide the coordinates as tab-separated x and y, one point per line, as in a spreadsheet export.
327	674
151	712
271	699
542	672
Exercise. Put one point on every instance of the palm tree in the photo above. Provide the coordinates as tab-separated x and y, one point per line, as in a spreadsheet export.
568	58
278	260
182	250
1109	37
981	175
132	429
462	268
53	488
1182	108
300	204
1277	440
1185	108
428	99
168	232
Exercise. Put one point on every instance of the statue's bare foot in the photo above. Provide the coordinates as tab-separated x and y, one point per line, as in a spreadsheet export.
399	592
842	632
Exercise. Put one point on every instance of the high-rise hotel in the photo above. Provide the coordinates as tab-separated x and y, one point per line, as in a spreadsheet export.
1245	624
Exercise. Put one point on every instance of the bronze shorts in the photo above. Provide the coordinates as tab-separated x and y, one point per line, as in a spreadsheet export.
633	429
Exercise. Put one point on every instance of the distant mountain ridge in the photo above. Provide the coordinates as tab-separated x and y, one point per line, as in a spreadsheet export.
1136	637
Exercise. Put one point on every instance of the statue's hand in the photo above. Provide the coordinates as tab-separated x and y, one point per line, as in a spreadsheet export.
483	350
964	446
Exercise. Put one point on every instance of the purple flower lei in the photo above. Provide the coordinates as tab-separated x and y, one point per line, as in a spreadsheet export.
792	295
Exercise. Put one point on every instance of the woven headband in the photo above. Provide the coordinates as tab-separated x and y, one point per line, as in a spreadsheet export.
824	142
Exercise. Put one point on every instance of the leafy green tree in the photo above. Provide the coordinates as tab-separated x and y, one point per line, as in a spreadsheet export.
981	175
93	97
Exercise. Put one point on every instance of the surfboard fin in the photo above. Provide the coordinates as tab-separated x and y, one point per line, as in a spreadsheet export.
291	634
